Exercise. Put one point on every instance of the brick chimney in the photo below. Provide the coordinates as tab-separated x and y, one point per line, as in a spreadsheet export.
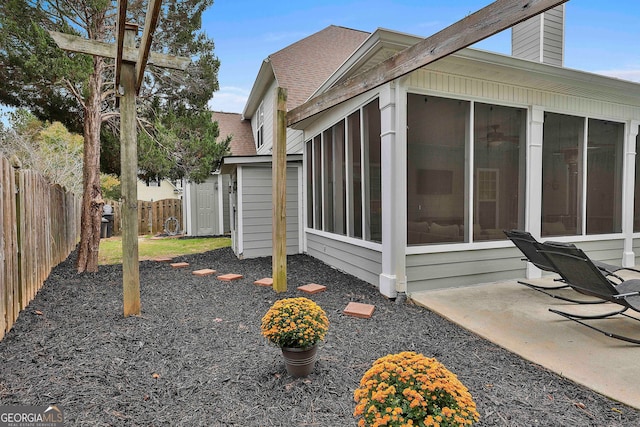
540	38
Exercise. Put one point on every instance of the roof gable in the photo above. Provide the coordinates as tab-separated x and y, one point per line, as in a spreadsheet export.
304	65
379	46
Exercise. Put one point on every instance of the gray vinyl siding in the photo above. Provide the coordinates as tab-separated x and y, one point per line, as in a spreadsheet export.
636	251
295	138
553	36
609	251
462	268
269	119
525	39
363	263
257	211
225	204
295	141
540	38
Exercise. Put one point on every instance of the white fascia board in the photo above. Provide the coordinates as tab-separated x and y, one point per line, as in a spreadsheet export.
552	72
380	39
260	86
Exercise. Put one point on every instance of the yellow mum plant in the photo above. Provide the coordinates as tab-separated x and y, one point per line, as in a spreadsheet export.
295	322
409	389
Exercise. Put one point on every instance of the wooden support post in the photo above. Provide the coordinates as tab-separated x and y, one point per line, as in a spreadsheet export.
279	195
129	169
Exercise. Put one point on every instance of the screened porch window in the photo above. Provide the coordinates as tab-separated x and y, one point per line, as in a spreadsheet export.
354	176
372	144
317	179
310	196
445	189
581	176
334	179
499	167
604	176
437	134
343	164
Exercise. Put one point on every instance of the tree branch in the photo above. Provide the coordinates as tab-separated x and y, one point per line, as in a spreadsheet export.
108	116
74	92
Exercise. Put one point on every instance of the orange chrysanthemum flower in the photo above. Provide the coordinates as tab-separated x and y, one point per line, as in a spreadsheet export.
295	322
417	390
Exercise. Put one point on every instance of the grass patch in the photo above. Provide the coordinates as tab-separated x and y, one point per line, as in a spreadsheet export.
148	248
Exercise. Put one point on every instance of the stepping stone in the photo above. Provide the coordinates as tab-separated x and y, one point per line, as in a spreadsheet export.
204	272
180	264
267	281
312	288
357	309
229	277
163	259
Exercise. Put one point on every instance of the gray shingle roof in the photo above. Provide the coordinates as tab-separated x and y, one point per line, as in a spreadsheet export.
242	143
304	65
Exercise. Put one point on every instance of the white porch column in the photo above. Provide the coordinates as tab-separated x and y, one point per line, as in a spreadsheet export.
628	192
534	181
392	278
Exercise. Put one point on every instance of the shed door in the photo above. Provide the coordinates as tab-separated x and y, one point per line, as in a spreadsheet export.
206	223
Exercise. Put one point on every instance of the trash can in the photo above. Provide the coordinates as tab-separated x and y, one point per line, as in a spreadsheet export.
106	227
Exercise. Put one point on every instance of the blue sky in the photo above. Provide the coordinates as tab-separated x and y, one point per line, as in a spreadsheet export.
600	36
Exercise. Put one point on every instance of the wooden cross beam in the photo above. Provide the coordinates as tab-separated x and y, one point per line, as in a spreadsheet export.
150	22
122	17
492	19
130	66
107	50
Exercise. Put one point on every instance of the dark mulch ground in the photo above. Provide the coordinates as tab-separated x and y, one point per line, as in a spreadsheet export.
202	339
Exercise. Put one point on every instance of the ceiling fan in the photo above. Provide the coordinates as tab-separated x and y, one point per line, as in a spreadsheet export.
570	154
495	138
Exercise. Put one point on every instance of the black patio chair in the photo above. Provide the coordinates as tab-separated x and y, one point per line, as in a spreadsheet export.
529	247
583	275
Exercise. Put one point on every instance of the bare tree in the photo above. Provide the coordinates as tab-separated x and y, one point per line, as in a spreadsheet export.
47	148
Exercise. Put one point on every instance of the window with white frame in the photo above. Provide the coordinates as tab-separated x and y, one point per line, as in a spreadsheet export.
153	182
465	170
581	175
344	176
260	126
499	135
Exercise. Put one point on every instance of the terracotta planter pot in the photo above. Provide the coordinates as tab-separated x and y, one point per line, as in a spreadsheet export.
299	361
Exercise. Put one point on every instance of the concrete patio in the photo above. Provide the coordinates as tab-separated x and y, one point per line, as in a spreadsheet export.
517	318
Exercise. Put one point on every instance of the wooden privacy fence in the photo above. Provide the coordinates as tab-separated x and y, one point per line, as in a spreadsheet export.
39	227
152	216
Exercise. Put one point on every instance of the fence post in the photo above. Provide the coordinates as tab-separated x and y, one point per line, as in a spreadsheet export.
4	232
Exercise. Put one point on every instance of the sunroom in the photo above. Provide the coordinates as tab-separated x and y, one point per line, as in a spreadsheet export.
410	185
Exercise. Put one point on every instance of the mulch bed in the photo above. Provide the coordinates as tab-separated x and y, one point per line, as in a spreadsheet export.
196	357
